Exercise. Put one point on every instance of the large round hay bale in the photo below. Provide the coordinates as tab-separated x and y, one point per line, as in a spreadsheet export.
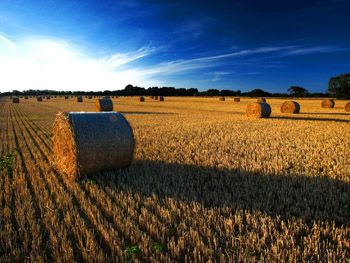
329	103
25	97
347	107
156	97
161	98
258	110
237	99
39	98
260	100
104	105
66	97
290	107
222	98
142	99
79	99
85	143
48	97
15	99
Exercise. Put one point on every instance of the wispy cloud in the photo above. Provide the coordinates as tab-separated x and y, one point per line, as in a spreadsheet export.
42	63
6	41
315	50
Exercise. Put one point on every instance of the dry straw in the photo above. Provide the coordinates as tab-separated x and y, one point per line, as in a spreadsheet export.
85	143
79	99
290	107
15	99
142	99
104	105
328	103
161	98
237	99
347	107
260	100
258	110
222	98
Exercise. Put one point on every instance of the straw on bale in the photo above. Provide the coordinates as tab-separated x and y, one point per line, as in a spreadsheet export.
258	110
85	143
237	99
290	107
161	98
142	99
328	103
79	99
260	100
347	107
15	99
104	105
222	98
39	98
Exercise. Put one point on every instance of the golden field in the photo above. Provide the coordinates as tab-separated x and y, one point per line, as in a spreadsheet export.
207	184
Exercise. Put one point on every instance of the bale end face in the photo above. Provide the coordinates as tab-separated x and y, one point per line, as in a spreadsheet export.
258	110
290	107
222	99
142	99
79	99
15	100
161	98
347	107
237	99
328	103
104	105
85	143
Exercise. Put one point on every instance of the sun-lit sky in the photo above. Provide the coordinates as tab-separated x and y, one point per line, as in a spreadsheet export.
105	45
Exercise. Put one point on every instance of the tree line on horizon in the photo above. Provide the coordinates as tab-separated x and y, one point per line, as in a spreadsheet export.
338	87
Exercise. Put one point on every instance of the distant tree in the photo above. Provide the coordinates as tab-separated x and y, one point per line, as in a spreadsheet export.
297	91
258	93
339	86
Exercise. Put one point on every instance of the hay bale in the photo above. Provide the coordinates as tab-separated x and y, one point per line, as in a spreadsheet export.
328	103
104	105
161	98
25	97
39	98
260	100
66	97
15	99
258	110
142	99
347	107
222	98
79	99
290	107
156	97
237	99
47	97
85	143
90	97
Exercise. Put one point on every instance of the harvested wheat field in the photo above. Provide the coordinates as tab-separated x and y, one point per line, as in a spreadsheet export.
207	184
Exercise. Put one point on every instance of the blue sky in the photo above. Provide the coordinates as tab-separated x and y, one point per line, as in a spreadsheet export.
105	45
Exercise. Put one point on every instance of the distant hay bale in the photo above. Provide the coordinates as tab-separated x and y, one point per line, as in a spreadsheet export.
329	103
161	98
39	98
25	97
258	110
66	97
85	143
104	105
290	107
260	100
347	107
152	97
222	98
237	99
47	97
156	97
142	99
79	99
15	99
90	97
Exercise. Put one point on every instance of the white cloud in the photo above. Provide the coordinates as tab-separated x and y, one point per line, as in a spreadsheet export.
39	63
